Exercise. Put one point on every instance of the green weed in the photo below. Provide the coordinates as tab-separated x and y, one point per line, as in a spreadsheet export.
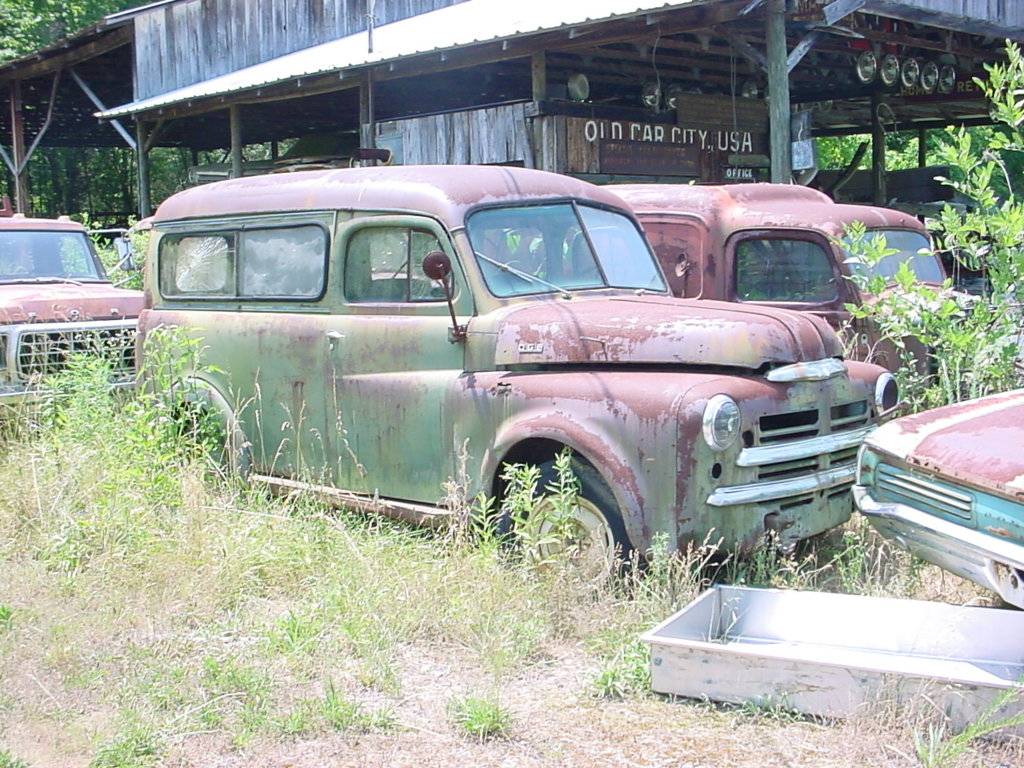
135	747
7	760
481	718
6	618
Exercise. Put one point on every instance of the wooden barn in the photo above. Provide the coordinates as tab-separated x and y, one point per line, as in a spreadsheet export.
608	90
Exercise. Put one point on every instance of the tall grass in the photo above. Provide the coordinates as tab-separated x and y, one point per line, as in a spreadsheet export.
147	598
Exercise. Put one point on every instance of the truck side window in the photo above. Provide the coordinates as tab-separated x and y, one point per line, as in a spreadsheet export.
382	264
283	262
197	265
776	269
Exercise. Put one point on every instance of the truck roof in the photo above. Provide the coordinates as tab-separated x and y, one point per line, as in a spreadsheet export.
749	206
445	192
17	221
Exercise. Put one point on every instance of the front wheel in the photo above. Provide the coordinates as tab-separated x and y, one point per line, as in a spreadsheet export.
591	530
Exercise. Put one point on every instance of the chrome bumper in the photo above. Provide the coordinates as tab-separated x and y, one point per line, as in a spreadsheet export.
755	493
991	562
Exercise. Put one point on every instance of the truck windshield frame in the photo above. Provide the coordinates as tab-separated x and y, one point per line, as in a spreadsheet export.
560	246
48	255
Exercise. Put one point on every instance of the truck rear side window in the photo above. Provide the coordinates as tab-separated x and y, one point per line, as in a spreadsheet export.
258	263
784	270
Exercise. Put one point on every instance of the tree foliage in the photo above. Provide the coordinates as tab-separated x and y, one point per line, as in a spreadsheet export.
973	342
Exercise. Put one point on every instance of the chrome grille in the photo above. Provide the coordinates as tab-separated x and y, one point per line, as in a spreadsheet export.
45	351
923	494
788	426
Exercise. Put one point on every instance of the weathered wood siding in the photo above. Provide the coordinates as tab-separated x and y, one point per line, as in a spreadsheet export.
186	42
490	135
999	18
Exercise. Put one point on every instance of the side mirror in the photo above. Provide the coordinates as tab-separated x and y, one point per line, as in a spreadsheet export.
125	253
437	266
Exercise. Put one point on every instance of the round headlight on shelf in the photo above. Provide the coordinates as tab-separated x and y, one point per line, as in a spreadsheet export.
910	73
889	72
867	67
887	393
947	79
929	77
721	422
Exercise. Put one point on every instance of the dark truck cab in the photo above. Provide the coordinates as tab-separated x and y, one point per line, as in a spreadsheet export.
776	245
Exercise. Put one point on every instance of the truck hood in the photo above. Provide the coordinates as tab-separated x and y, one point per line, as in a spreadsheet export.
62	302
976	443
655	330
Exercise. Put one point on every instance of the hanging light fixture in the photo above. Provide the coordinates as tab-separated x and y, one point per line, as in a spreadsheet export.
947	79
889	72
672	94
578	87
867	67
910	73
929	77
650	95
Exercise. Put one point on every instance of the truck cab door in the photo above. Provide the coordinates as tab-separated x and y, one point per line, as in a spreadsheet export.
392	361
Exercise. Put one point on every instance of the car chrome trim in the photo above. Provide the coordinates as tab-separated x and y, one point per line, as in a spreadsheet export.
980	557
753	493
802	449
816	370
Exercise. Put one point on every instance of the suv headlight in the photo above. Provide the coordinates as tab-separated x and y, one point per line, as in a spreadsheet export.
721	422
887	393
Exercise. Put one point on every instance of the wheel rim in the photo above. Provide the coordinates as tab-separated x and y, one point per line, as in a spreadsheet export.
586	532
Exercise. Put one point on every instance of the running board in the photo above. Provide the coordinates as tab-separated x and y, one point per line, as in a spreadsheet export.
406	511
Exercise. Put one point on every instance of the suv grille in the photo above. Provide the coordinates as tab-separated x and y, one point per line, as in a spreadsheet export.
922	494
45	352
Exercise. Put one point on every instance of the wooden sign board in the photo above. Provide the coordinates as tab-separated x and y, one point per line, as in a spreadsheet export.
692	147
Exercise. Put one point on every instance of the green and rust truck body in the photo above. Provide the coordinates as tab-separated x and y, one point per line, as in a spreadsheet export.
338	362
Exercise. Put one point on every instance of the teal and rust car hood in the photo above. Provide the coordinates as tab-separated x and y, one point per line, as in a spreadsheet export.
979	443
654	330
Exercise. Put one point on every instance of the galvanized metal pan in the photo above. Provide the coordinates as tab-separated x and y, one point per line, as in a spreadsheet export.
833	655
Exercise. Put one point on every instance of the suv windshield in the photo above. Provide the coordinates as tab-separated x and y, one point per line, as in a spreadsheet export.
41	255
560	247
910	247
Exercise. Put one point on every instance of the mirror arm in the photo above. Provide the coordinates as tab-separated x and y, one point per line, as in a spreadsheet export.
457	333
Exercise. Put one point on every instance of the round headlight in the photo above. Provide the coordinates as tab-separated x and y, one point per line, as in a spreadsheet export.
887	393
721	422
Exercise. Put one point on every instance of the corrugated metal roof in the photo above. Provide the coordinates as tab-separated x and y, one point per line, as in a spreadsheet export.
457	26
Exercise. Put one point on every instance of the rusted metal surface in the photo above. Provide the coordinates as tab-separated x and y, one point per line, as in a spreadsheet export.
378	399
428	190
695	229
979	443
948	485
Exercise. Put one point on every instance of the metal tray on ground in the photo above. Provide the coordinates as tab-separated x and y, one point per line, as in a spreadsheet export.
830	655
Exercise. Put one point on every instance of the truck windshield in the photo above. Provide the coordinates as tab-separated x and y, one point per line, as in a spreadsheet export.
560	247
42	256
910	247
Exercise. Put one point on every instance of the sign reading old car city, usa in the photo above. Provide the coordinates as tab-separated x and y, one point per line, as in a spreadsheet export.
727	142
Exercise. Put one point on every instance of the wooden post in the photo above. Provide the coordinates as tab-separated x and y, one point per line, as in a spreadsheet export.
18	150
274	150
922	148
142	134
367	120
778	93
878	184
539	75
235	121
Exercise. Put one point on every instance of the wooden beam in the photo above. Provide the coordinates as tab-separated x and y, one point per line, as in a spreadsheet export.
838	10
778	93
922	147
28	69
877	151
116	124
800	49
142	167
235	123
18	149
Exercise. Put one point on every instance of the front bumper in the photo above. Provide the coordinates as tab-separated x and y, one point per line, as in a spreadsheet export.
991	562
